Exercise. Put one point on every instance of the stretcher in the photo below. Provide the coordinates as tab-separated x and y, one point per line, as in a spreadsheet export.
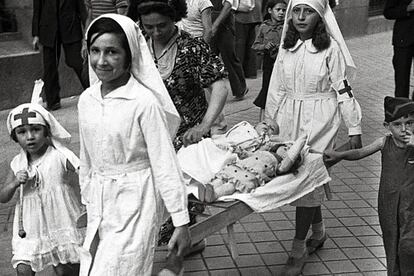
224	215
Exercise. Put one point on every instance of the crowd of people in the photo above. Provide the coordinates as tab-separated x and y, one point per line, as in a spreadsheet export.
155	75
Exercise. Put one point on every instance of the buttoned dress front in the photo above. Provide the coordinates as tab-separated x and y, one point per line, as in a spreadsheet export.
128	170
304	98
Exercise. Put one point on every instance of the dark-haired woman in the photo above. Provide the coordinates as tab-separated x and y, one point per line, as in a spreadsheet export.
186	65
309	94
129	170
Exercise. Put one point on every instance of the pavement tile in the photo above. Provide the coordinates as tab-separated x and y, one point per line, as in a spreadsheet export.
260	270
332	222
339	213
342	266
215	251
352	221
283	235
269	216
225	272
331	254
194	265
376	273
214	240
369	264
347	196
279	258
344	242
338	232
362	230
371	240
335	204
315	269
358	203
357	253
262	236
256	226
269	247
378	251
366	211
246	248
252	218
219	262
281	225
249	260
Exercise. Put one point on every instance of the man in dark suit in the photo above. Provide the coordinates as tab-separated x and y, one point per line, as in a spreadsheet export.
403	41
58	23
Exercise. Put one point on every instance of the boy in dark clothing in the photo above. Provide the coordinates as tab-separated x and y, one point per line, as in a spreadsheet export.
396	191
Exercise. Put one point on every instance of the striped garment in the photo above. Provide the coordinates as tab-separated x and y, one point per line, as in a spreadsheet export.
99	7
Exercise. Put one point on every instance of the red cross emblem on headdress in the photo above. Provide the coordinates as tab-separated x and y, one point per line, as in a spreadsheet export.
24	116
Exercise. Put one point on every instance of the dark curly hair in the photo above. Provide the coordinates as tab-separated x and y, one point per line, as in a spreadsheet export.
174	9
320	37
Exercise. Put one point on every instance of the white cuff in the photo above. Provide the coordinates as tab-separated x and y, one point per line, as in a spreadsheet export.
180	218
355	131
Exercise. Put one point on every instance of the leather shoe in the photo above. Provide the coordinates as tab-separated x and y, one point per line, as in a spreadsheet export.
241	97
312	245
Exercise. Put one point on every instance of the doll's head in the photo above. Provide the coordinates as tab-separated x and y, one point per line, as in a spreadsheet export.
267	126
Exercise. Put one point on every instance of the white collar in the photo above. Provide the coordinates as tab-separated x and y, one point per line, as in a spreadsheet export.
123	92
308	46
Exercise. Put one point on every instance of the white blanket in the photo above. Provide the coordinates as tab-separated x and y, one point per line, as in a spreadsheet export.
202	160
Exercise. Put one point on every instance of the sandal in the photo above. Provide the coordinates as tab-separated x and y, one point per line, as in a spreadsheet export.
312	245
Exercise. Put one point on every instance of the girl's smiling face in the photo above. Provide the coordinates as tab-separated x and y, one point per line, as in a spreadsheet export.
304	20
108	58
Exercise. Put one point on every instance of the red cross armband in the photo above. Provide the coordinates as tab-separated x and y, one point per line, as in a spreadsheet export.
347	89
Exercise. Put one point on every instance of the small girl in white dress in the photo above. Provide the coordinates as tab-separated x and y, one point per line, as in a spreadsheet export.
50	205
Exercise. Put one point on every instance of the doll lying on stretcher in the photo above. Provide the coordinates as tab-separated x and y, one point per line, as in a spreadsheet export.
260	160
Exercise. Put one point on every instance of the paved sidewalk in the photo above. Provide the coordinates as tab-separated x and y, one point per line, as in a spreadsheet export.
354	247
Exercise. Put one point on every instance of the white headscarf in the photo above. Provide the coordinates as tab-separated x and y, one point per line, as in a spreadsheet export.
143	68
325	12
32	113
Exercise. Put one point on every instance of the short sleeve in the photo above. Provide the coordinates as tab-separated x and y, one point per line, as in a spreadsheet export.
210	67
234	3
204	4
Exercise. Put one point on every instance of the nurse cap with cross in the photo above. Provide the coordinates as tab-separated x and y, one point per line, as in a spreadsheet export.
25	116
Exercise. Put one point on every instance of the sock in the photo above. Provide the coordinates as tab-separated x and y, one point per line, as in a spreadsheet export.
318	231
298	248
